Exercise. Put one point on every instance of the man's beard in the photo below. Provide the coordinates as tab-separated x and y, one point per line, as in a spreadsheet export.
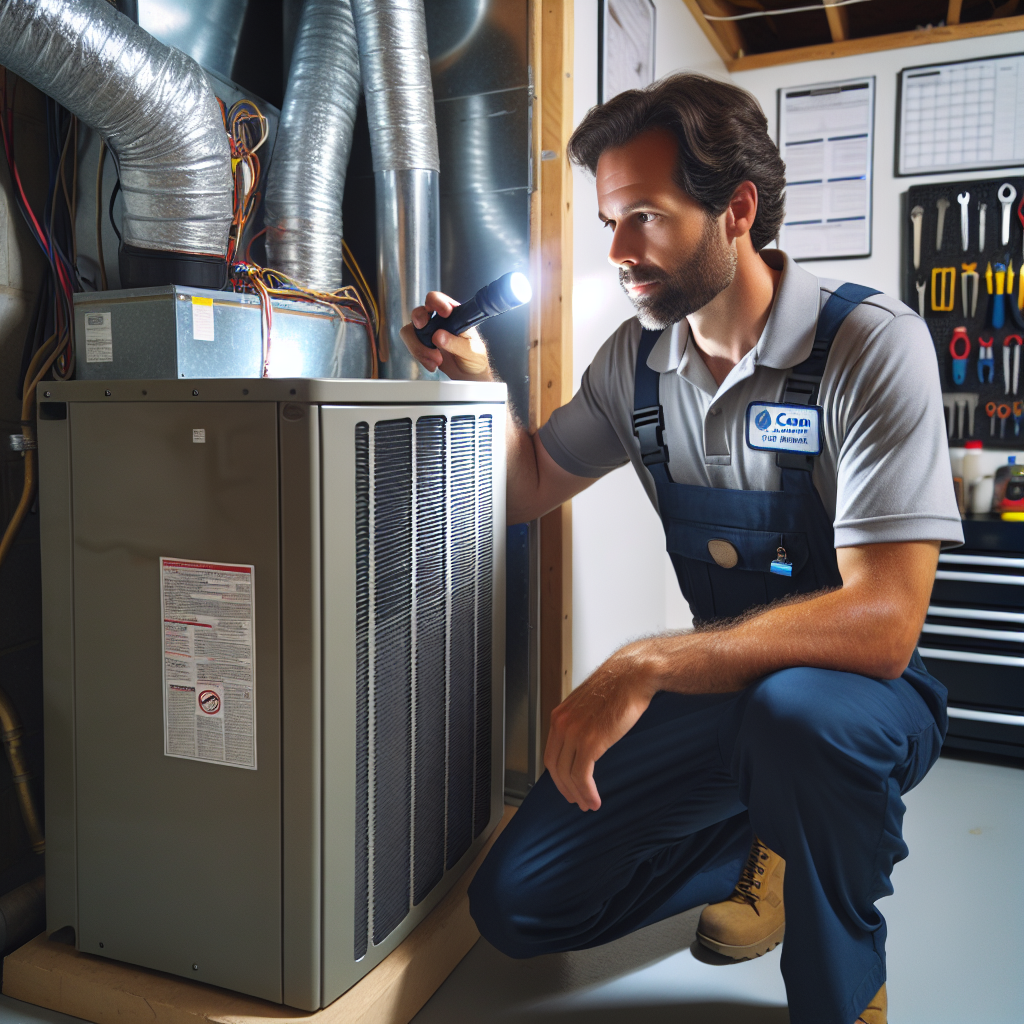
685	288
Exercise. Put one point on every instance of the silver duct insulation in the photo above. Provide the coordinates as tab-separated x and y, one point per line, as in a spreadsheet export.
403	136
314	138
151	103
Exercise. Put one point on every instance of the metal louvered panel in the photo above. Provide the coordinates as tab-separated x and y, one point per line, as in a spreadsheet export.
424	652
362	829
463	639
391	707
431	654
485	581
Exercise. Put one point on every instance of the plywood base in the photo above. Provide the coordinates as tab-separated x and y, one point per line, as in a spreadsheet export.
50	974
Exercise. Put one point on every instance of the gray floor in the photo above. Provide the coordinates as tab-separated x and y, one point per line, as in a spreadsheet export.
956	939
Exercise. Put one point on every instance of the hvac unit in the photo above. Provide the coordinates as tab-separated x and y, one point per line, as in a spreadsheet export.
274	639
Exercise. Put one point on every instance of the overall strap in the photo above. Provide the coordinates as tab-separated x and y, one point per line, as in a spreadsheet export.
805	379
648	417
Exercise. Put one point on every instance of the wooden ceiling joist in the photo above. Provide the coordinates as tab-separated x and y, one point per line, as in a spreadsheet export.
728	40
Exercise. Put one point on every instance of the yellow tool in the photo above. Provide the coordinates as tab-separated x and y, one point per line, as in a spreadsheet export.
1009	278
1020	293
945	278
988	279
969	276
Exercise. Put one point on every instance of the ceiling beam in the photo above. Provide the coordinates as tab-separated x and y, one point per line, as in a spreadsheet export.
724	36
871	44
838	22
953	12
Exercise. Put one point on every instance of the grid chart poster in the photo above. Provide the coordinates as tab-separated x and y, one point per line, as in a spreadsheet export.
961	117
826	139
209	682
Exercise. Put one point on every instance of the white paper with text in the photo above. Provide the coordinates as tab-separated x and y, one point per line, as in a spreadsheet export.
207	612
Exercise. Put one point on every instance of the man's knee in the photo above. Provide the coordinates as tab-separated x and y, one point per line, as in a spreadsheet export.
790	710
503	904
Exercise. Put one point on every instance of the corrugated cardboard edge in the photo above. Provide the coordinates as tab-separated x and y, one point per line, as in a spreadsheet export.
58	977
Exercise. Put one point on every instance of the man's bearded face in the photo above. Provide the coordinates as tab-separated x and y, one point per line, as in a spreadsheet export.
686	287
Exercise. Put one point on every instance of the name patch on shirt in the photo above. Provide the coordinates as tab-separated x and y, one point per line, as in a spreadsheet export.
784	428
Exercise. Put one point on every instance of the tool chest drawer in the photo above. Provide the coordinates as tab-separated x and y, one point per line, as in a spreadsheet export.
973	636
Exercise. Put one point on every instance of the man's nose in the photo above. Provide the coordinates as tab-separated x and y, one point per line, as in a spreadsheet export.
621	253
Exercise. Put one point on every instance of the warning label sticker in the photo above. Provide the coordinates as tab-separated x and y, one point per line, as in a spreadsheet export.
99	339
202	319
209	678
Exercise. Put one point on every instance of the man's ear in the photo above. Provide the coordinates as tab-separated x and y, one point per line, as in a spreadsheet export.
741	211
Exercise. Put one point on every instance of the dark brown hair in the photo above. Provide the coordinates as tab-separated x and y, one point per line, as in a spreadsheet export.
723	141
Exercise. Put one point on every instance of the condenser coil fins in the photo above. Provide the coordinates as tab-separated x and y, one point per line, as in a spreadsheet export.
424	609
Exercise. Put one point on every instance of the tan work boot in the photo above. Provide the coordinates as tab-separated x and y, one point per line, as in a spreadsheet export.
875	1012
753	919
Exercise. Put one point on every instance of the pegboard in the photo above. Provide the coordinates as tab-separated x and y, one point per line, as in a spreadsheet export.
943	322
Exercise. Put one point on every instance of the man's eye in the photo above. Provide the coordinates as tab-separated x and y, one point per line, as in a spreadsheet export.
645	218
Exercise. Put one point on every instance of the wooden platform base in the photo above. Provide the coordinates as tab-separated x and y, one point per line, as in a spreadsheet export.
49	973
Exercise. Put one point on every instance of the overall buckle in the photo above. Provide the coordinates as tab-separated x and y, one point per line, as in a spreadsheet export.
649	429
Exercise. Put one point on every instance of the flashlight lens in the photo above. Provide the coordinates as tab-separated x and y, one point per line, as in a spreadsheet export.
521	287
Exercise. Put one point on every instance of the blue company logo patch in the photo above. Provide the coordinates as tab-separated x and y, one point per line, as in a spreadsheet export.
780	427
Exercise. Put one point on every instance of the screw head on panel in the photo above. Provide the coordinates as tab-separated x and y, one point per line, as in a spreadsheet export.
195	394
195	967
46	394
107	393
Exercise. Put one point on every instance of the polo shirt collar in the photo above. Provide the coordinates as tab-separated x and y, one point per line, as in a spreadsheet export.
786	340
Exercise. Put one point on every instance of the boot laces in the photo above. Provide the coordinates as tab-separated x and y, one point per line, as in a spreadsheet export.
749	886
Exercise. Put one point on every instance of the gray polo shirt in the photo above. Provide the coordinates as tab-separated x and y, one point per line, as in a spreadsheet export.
884	472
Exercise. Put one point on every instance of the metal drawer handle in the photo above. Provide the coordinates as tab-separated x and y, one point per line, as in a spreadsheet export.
985	716
970	657
982	634
975	613
1003	560
981	577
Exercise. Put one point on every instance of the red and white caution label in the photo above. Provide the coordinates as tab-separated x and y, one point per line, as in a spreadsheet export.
209	667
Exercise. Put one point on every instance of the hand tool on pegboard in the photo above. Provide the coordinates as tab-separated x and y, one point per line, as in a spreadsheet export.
964	199
941	206
960	351
968	276
986	361
1006	195
944	296
916	218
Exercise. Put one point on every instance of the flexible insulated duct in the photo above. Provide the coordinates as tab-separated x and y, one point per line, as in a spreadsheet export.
403	135
314	139
160	118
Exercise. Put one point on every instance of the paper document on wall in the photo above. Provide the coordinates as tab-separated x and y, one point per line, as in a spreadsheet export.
825	138
207	611
963	116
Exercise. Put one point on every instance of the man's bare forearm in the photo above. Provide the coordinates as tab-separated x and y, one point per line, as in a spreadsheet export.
869	627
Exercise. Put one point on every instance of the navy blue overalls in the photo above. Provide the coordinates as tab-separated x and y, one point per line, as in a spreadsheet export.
812	761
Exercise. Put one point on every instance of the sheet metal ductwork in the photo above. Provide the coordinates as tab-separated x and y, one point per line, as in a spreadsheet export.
307	176
400	109
155	108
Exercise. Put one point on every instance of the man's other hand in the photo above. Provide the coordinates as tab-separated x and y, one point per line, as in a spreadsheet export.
595	716
461	356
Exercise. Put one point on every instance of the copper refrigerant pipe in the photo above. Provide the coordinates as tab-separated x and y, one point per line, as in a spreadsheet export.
12	733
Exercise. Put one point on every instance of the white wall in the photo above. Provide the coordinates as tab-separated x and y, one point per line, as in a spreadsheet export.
623	584
881	269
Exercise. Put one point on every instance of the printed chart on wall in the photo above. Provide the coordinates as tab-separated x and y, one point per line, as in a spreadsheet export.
961	117
826	138
209	680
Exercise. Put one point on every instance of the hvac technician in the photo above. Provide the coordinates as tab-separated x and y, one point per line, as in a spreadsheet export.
790	433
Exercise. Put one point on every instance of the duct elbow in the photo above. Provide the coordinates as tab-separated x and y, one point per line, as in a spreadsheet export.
160	118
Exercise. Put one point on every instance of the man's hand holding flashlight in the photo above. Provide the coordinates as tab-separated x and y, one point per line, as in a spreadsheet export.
460	356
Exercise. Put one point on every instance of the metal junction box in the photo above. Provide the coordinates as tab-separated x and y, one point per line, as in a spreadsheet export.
173	332
273	657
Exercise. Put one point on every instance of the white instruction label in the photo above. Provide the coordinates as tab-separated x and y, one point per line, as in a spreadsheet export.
209	680
202	319
99	341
